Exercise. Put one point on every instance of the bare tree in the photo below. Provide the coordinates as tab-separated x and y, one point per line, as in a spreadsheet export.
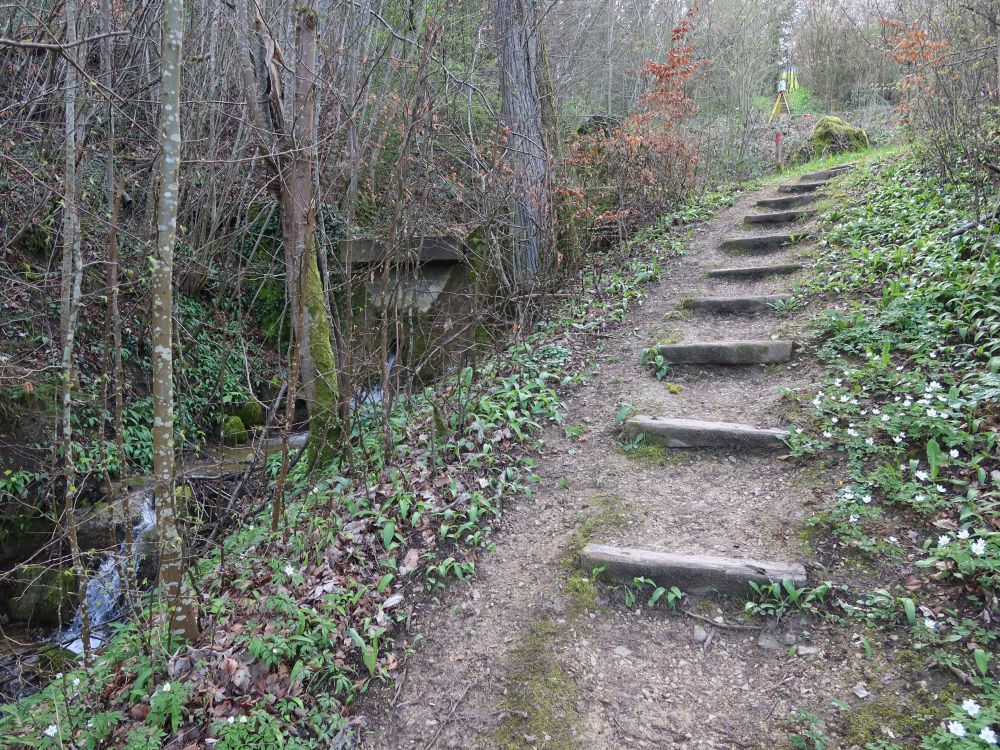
180	602
521	67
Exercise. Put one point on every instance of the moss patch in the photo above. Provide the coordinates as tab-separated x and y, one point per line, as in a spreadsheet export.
541	696
582	593
252	413
869	721
233	431
604	512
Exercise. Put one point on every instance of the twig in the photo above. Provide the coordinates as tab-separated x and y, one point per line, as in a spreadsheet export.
723	625
447	719
973	224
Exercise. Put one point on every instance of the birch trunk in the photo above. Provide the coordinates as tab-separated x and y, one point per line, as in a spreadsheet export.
519	42
180	603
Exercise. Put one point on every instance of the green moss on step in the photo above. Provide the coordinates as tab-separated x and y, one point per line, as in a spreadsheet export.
582	593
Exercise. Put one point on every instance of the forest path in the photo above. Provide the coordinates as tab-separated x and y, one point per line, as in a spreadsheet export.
523	655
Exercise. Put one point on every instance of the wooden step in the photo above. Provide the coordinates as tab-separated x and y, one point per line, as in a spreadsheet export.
826	174
780	217
770	243
726	352
735	305
789	201
696	433
801	187
754	272
692	574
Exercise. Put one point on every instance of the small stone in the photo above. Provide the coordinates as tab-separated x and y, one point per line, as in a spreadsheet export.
700	634
530	739
769	642
789	639
807	650
861	691
623	652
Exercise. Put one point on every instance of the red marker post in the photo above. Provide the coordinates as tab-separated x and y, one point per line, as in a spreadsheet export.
777	150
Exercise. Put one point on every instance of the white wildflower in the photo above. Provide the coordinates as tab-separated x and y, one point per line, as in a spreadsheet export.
166	687
288	570
243	720
932	412
852	432
834	420
934	386
957	728
885	417
923	476
854	518
987	735
866	499
929	623
231	719
978	547
963	534
944	540
845	398
953	453
897	440
940	488
51	730
870	441
971	707
827	434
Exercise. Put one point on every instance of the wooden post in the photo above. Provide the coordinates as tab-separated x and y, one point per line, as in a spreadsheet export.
777	151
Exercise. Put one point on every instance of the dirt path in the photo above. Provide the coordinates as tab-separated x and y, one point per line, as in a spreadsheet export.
525	656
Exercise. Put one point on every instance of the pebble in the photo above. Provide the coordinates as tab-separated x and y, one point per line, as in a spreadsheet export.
700	634
623	652
769	642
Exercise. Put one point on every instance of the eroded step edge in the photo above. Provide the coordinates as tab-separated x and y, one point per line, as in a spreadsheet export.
755	272
790	201
726	352
780	217
695	433
802	187
735	305
763	245
692	574
824	175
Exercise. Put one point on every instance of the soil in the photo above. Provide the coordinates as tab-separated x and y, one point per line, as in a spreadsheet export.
529	654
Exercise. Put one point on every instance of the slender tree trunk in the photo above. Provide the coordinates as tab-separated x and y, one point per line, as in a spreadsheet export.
519	42
72	277
310	314
179	600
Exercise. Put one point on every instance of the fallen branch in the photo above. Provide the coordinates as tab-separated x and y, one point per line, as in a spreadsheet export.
723	625
973	224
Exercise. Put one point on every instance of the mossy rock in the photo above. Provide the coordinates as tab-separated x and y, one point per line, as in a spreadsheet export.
252	413
46	596
53	659
234	432
833	135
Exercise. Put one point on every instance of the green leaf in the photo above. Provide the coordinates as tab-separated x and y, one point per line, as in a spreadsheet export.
982	661
910	609
934	457
388	533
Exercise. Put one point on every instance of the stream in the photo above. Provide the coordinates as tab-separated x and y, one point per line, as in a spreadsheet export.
23	657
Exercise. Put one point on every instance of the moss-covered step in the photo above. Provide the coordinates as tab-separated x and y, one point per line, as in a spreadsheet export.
754	272
801	187
780	217
696	433
692	574
726	352
788	202
736	305
769	243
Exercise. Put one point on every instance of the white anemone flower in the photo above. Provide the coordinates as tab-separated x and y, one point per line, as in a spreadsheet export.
957	728
971	707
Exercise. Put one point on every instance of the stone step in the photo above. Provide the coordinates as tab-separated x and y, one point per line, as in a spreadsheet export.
692	574
726	352
696	433
755	272
770	243
789	201
735	305
801	187
780	216
826	174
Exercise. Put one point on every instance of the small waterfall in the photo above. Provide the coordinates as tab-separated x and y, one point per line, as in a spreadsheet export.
104	589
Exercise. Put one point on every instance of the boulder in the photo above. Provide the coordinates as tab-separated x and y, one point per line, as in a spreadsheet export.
833	135
234	432
251	413
43	596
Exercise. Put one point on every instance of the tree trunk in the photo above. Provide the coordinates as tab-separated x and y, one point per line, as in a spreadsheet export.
310	314
518	39
180	602
71	281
